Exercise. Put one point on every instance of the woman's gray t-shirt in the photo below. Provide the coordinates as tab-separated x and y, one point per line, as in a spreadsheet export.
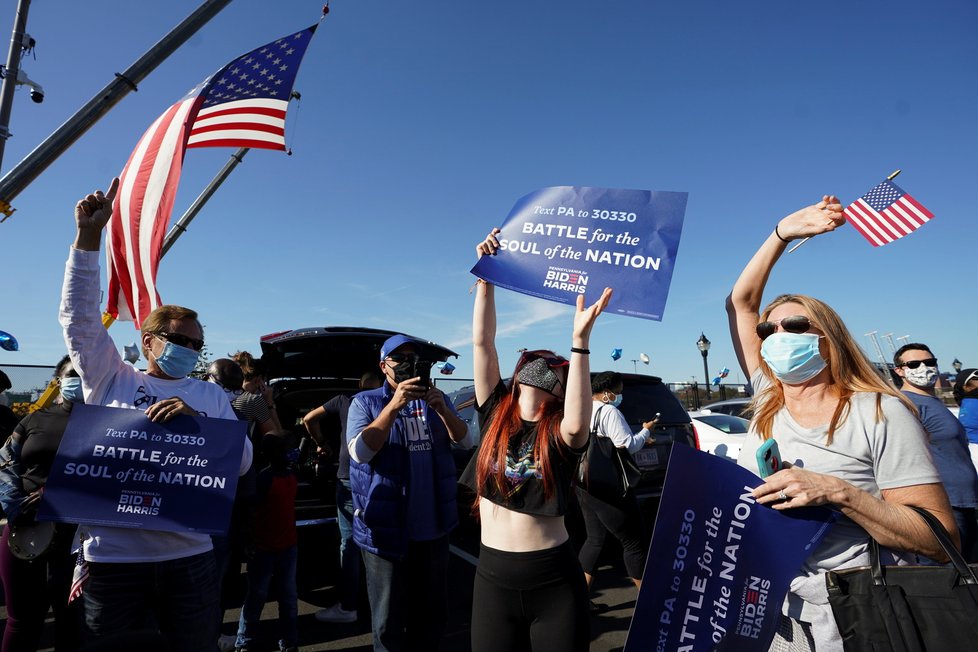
871	454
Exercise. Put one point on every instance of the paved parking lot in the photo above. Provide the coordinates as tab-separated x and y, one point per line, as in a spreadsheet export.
611	588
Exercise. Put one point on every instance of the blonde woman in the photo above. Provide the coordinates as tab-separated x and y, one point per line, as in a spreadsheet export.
848	438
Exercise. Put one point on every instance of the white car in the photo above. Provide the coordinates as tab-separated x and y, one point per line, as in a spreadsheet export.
719	434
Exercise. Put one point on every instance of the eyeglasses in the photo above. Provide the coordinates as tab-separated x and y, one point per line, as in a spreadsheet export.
402	357
552	361
927	362
974	375
182	340
792	324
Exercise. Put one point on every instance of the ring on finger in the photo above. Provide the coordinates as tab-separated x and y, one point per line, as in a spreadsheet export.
783	496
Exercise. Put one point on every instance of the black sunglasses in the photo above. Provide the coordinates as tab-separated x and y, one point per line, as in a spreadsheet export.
927	362
792	324
183	340
403	357
552	361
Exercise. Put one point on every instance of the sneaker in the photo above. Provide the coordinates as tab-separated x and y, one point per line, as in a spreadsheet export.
226	642
336	614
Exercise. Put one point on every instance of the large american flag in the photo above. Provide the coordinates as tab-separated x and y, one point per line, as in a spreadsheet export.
242	105
886	213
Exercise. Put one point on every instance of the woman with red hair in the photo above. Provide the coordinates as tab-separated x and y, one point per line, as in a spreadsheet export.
529	588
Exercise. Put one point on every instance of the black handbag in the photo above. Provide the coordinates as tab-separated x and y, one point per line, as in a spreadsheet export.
907	608
607	472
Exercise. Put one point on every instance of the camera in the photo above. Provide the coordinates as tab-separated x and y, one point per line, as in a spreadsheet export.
37	93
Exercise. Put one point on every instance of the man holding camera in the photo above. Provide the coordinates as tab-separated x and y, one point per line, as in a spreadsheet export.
403	479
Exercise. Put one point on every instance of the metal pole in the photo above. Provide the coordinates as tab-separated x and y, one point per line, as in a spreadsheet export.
706	373
177	229
54	145
13	67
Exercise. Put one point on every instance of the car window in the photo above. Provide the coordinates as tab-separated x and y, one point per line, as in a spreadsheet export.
735	407
642	400
725	422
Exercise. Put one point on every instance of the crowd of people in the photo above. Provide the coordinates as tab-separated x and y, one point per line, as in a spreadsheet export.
849	438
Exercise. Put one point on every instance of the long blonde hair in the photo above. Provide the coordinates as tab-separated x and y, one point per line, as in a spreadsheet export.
850	370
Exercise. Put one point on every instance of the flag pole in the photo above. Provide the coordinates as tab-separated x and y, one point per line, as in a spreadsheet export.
181	225
889	178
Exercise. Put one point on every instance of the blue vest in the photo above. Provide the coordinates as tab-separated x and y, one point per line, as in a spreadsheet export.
380	501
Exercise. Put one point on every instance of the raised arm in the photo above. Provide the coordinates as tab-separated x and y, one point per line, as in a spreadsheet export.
485	359
744	301
576	424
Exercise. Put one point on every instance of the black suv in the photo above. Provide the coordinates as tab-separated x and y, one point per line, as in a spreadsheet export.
306	367
644	397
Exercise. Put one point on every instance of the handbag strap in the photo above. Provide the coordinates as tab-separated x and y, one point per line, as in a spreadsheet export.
965	572
596	422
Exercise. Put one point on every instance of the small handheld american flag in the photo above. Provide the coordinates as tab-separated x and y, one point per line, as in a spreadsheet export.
78	577
886	213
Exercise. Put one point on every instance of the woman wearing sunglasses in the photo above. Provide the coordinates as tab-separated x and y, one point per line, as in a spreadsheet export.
848	438
529	588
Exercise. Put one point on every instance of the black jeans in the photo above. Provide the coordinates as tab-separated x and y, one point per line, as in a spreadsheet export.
624	521
530	601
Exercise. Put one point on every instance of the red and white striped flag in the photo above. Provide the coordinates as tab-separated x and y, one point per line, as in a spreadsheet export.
242	105
886	213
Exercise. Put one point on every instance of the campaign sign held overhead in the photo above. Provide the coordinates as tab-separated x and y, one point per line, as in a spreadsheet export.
116	467
720	564
563	241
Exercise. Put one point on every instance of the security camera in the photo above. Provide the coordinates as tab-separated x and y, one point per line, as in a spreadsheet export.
37	93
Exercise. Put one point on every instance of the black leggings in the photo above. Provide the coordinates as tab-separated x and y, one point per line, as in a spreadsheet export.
623	521
530	601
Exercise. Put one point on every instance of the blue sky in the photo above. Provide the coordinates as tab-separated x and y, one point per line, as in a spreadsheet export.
421	123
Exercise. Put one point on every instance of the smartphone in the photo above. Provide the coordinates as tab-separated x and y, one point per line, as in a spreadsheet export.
768	458
422	369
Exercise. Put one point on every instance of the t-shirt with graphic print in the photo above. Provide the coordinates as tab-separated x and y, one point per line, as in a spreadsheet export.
523	481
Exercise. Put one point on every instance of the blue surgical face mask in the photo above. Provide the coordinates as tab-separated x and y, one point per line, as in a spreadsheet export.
177	361
793	357
616	402
71	389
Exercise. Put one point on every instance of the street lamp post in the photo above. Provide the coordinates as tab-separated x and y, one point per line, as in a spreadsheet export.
703	345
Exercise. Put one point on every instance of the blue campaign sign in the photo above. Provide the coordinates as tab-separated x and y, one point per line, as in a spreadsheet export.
116	467
719	564
563	241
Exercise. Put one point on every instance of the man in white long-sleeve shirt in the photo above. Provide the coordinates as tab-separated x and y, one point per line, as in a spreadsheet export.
135	572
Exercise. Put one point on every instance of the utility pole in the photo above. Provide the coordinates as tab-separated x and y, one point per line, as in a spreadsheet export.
54	145
11	71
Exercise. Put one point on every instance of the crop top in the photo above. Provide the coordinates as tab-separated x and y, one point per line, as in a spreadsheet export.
524	484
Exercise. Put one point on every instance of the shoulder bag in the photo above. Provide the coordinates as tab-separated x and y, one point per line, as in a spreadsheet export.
907	608
607	472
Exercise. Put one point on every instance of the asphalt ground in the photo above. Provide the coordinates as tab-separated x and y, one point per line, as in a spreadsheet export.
611	588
